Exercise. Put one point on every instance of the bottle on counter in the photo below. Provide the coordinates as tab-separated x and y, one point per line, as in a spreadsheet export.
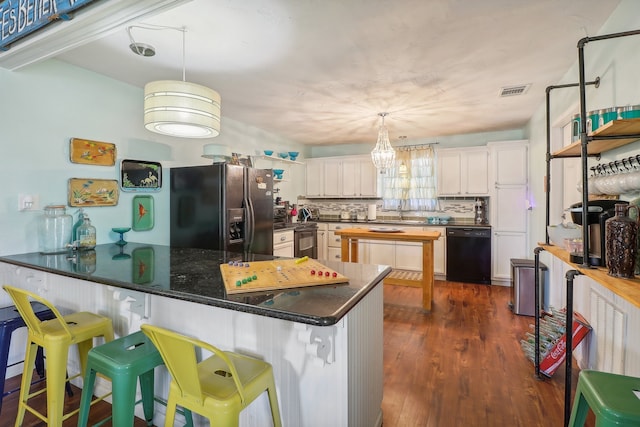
54	230
86	235
621	237
77	224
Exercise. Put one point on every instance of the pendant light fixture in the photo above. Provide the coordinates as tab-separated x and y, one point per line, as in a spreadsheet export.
181	109
383	154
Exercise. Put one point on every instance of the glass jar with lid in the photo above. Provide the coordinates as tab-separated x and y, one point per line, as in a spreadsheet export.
86	235
54	230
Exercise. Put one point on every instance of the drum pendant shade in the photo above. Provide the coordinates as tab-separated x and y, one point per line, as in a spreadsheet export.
182	109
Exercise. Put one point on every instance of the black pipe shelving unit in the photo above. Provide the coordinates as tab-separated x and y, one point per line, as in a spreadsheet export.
611	138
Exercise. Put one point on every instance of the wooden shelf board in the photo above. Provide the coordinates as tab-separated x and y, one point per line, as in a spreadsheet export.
615	127
629	289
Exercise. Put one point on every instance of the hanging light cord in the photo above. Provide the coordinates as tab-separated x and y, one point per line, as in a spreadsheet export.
164	27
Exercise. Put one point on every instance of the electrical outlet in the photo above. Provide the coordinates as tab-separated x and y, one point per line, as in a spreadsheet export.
28	202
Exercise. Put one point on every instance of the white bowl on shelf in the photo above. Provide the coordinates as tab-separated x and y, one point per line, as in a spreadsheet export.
557	233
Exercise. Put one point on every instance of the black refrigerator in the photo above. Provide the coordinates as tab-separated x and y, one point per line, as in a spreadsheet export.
222	206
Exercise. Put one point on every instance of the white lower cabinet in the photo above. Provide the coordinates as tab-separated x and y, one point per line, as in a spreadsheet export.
334	251
322	236
507	245
283	244
439	251
400	255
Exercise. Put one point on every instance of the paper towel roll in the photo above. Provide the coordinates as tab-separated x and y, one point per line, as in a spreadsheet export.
371	214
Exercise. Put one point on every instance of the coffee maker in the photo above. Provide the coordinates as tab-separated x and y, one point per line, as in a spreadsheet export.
598	211
480	211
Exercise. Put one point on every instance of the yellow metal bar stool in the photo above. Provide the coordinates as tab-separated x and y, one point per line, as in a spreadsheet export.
218	387
56	336
124	361
612	398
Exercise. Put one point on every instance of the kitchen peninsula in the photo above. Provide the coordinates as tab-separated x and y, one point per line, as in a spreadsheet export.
324	342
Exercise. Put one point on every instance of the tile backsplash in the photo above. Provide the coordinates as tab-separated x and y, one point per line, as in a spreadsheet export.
459	207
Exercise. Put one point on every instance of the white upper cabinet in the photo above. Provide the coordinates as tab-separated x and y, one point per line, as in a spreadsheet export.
342	177
463	171
314	178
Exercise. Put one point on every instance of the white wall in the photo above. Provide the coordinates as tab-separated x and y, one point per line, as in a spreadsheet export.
46	104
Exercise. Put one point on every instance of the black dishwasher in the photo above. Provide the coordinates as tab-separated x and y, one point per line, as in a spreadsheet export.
469	254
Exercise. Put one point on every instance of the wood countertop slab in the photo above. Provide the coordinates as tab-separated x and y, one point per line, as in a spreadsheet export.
402	235
629	289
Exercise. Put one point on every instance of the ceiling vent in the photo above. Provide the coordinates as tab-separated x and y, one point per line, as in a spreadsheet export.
514	90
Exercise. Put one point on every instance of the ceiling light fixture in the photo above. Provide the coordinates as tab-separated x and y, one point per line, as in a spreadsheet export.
383	154
179	108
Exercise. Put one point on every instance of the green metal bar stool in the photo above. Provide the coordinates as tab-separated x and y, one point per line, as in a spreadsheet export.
611	397
123	361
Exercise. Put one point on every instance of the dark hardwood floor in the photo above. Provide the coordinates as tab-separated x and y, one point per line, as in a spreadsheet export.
460	365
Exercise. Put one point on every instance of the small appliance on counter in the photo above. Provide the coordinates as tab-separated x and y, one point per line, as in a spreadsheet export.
480	211
598	211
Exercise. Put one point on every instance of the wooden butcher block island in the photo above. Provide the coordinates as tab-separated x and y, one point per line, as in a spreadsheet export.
350	237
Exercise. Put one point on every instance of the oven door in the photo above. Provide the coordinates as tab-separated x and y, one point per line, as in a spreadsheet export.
305	243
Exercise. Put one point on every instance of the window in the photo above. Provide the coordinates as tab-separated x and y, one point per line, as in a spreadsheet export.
411	184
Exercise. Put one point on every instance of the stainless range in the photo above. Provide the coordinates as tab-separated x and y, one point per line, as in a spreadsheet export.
305	236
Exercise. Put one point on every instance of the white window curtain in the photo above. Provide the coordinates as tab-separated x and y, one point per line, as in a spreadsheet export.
411	184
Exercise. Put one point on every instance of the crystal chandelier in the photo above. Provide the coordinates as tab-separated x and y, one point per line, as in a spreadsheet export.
383	154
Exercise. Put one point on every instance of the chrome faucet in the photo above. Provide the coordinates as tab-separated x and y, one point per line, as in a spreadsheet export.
400	211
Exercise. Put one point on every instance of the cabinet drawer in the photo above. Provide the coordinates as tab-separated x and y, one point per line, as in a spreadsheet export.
333	240
284	236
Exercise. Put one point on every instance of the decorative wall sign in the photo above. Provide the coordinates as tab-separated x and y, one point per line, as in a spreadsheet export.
139	175
21	18
142	213
92	152
86	192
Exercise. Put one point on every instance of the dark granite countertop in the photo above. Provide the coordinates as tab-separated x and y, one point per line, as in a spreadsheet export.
194	275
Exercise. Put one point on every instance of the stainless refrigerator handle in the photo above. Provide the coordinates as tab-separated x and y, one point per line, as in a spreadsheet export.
251	224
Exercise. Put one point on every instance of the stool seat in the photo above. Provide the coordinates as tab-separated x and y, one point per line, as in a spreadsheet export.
56	336
123	360
10	320
218	387
611	397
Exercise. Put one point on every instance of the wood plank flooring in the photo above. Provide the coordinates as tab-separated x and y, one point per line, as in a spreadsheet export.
460	365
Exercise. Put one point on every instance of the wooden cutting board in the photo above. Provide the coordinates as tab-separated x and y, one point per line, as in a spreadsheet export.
277	274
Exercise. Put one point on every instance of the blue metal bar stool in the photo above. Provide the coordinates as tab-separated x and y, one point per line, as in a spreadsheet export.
10	320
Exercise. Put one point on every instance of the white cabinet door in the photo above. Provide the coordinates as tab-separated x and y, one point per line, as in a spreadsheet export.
332	178
350	170
510	209
322	235
378	252
408	256
475	172
368	178
510	164
283	244
505	247
439	250
463	172
449	172
315	178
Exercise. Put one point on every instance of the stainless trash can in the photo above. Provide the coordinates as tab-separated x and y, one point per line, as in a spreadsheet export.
523	286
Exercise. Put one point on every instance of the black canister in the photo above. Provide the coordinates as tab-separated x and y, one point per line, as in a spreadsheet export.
621	235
